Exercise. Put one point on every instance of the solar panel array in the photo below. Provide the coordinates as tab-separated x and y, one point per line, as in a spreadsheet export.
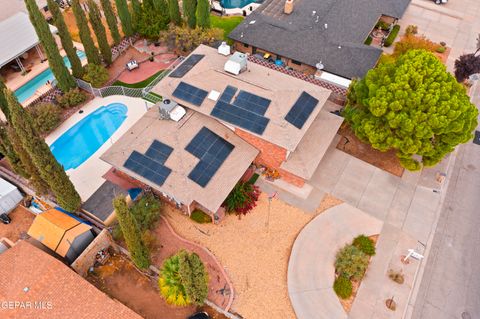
186	66
190	93
212	150
151	165
246	111
301	110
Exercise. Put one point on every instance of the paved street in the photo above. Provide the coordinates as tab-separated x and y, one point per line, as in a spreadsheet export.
451	281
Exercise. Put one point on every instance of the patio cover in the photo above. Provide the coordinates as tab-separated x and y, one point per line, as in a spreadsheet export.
17	36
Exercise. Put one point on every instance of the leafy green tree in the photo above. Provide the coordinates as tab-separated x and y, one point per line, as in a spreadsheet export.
174	12
96	75
100	33
152	21
170	283
194	277
65	38
49	169
125	18
111	21
131	233
137	13
203	14
91	50
189	11
414	106
55	60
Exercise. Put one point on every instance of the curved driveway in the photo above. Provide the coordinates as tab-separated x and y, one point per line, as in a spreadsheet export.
311	269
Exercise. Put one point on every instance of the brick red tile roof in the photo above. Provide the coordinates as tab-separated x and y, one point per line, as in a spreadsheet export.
50	281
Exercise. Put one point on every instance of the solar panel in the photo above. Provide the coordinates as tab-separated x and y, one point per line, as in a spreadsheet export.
159	151
212	150
148	168
228	94
252	102
301	110
190	93
241	117
186	66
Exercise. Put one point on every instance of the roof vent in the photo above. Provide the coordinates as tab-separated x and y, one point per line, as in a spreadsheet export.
288	6
224	49
170	110
236	64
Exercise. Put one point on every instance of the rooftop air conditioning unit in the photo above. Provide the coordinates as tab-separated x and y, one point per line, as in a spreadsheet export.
170	110
236	64
224	49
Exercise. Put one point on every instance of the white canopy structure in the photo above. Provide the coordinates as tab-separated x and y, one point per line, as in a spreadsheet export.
10	196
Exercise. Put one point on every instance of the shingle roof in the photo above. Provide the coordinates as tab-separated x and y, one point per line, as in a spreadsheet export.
302	35
49	280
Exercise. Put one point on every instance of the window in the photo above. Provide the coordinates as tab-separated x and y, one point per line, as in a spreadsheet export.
296	62
245	45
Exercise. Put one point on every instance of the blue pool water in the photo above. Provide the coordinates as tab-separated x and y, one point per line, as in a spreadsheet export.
230	4
77	144
29	88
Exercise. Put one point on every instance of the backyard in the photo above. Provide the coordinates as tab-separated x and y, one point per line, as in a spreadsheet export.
227	24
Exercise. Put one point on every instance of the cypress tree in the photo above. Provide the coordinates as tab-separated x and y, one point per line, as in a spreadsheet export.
100	33
131	233
6	148
84	31
65	80
125	18
203	14
137	13
65	38
161	6
48	167
189	10
174	12
111	21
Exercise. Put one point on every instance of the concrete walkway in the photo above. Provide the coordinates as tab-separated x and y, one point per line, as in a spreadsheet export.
311	271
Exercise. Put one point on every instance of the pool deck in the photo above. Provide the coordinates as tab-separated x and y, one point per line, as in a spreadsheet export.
87	177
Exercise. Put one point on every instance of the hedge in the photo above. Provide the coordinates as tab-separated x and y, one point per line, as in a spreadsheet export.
392	36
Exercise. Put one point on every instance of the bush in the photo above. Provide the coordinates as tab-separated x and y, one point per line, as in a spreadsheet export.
200	217
342	287
396	276
242	199
365	244
185	39
413	42
369	40
170	283
392	36
383	25
441	49
45	116
146	211
96	75
411	29
71	98
351	262
466	65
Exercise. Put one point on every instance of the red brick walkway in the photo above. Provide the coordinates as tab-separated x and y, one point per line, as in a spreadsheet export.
147	68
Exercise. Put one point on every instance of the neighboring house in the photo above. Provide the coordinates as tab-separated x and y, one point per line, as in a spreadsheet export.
330	32
260	115
10	197
9	8
34	284
66	236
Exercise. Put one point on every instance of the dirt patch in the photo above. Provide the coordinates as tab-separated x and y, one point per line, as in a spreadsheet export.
22	218
350	144
255	255
327	202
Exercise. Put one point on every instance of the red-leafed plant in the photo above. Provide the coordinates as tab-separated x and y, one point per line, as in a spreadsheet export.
242	199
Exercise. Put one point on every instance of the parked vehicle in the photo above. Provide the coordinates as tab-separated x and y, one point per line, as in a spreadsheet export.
200	315
5	219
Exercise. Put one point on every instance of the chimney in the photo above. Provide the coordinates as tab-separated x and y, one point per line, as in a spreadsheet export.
288	6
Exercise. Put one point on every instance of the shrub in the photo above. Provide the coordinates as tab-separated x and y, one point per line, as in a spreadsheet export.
413	42
242	199
200	217
149	239
382	25
342	287
117	232
96	75
466	65
351	262
411	29
45	116
441	49
369	40
170	283
146	211
365	244
392	36
396	276
71	98
185	39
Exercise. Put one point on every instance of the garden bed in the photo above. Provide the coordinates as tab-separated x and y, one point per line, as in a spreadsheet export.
386	161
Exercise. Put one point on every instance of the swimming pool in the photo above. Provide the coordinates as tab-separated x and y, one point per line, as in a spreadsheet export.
29	88
77	144
231	4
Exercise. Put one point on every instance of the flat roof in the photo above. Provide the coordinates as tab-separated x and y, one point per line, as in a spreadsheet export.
178	135
331	31
283	91
49	280
100	203
17	36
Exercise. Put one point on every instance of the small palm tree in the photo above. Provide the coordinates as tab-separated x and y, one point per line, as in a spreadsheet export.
170	283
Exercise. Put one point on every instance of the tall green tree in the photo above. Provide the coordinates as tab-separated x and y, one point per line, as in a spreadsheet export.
189	11
174	12
65	80
65	38
137	13
100	33
161	6
125	18
49	169
91	50
131	233
194	277
203	14
7	150
111	20
413	106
